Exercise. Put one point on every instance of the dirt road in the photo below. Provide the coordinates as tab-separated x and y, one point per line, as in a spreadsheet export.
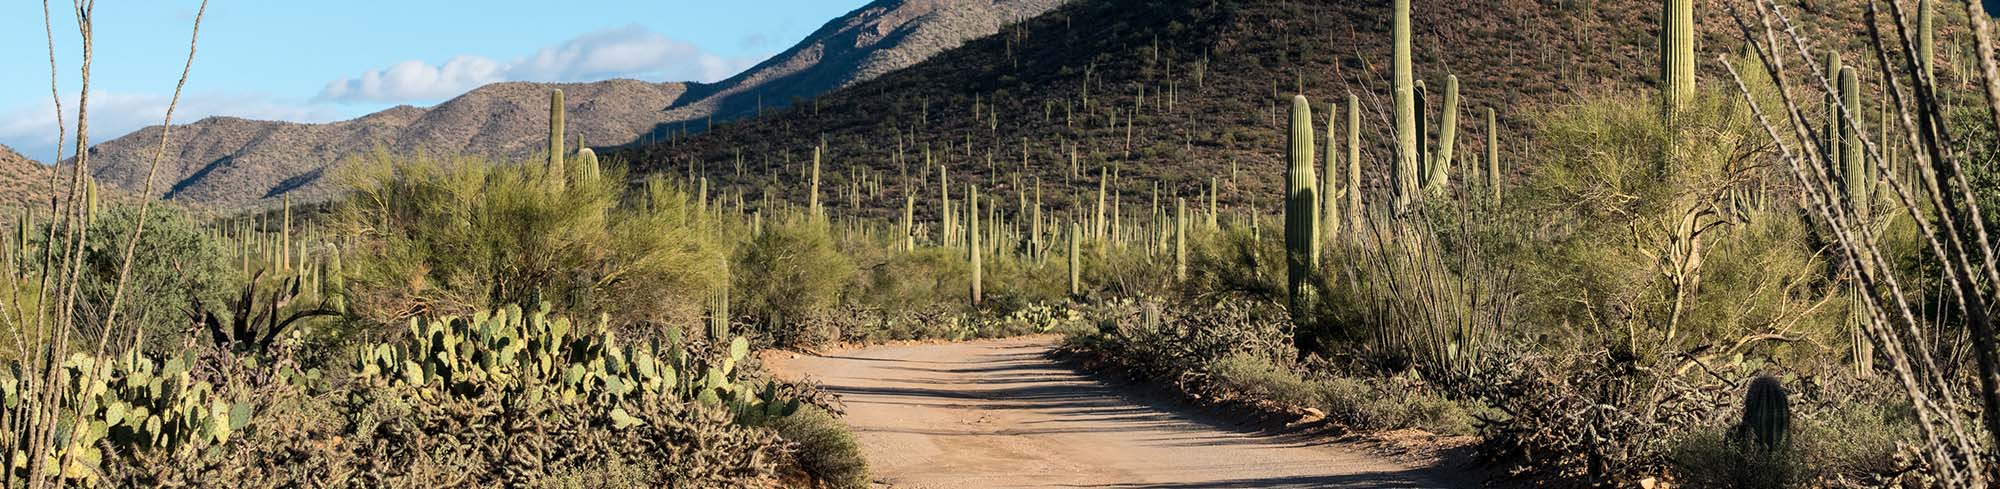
999	414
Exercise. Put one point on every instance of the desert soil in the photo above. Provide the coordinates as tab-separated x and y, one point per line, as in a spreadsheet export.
1002	414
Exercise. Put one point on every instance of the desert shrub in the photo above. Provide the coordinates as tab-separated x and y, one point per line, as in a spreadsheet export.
788	273
177	271
1360	404
1713	459
1233	260
449	236
1653	258
825	448
911	281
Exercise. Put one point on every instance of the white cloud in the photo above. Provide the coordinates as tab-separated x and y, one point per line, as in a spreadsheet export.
622	52
32	131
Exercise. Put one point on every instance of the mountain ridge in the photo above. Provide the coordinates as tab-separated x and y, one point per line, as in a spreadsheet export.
233	163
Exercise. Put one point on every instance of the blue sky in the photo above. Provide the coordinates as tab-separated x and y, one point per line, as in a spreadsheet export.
324	61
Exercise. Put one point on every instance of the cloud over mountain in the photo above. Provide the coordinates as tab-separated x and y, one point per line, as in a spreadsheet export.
630	51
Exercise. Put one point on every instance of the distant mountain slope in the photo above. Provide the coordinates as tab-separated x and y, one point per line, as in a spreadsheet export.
1176	92
884	36
233	163
22	181
228	162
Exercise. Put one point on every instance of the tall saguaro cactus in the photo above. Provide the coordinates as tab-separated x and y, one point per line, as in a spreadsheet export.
1406	106
1353	180
1493	177
1330	186
1440	174
972	237
1075	258
1676	55
1302	244
556	153
1180	240
1927	39
909	222
813	200
1856	175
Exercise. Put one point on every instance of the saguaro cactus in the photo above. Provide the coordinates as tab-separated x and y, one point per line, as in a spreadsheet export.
587	168
1180	240
1833	119
1301	206
1440	176
1213	210
335	285
1103	182
556	154
1927	39
1856	175
1406	106
972	237
813	200
1330	186
909	222
1075	258
1493	177
1676	55
1353	180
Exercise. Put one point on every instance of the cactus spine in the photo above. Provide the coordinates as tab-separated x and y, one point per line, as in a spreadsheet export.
1301	206
1406	107
1676	55
556	154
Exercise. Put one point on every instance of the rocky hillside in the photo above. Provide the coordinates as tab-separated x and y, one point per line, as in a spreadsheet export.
22	181
884	36
228	162
1176	92
235	163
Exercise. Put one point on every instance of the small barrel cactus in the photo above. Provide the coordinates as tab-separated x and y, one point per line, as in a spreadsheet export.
1767	413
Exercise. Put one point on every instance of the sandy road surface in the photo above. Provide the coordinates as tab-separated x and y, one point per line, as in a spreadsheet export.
999	414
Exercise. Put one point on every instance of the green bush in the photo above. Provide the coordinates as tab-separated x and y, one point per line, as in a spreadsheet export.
176	271
825	448
440	236
788	273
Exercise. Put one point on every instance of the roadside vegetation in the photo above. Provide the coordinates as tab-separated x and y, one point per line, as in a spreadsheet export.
1724	284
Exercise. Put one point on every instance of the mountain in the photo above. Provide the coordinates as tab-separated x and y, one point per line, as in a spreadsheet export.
23	181
1177	92
233	163
884	36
